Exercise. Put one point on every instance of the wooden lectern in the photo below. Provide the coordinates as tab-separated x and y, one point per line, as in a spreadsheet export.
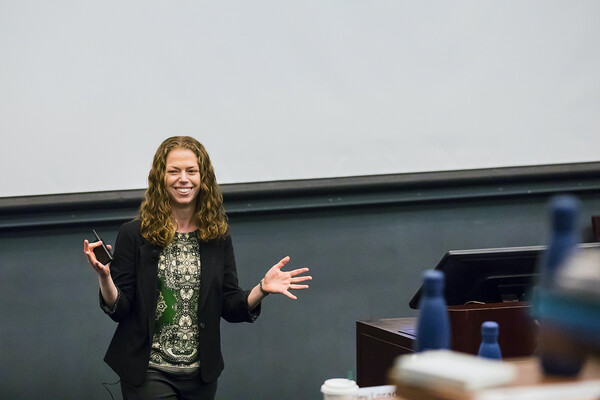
378	343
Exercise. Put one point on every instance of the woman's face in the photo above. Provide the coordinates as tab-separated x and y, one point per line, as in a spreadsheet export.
182	177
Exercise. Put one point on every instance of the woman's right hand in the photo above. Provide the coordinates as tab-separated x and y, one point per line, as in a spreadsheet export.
108	289
88	248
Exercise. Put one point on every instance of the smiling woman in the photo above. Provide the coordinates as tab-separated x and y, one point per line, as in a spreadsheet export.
173	277
166	204
182	178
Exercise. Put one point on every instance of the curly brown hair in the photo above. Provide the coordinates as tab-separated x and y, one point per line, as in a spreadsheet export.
155	214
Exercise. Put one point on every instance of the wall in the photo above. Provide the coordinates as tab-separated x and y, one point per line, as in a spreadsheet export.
336	88
367	241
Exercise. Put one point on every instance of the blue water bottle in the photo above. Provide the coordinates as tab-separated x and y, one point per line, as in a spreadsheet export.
489	347
563	242
433	326
563	238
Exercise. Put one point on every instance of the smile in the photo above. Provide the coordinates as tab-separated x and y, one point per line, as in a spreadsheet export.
184	190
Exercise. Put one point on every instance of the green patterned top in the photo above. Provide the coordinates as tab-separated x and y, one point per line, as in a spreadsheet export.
175	340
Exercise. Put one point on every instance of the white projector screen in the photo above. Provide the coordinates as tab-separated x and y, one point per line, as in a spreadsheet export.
282	90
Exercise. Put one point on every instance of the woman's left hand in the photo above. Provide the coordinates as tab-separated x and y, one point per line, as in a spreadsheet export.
278	281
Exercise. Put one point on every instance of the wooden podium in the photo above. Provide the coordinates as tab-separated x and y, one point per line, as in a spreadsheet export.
379	342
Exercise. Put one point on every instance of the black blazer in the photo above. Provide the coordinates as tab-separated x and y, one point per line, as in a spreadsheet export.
134	271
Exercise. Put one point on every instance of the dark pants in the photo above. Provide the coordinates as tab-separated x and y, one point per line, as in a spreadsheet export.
159	385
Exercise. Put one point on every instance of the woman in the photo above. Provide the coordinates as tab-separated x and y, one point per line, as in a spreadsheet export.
173	277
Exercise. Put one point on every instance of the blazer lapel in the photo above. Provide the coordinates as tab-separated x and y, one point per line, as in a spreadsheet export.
208	265
149	255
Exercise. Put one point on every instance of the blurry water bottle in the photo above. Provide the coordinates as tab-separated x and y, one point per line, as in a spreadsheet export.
433	326
489	347
563	242
563	238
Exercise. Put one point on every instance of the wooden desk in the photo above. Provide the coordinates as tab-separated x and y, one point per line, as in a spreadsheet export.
517	332
379	342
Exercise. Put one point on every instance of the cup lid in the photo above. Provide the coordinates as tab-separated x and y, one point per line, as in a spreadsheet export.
339	386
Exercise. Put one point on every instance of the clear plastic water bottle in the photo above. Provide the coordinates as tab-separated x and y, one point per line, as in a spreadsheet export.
489	347
433	325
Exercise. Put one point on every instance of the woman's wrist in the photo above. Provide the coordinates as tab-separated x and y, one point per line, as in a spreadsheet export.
263	291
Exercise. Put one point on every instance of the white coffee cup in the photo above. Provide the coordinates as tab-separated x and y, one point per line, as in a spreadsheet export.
339	389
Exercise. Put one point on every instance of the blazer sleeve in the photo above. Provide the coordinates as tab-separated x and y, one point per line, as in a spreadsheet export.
235	300
123	272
